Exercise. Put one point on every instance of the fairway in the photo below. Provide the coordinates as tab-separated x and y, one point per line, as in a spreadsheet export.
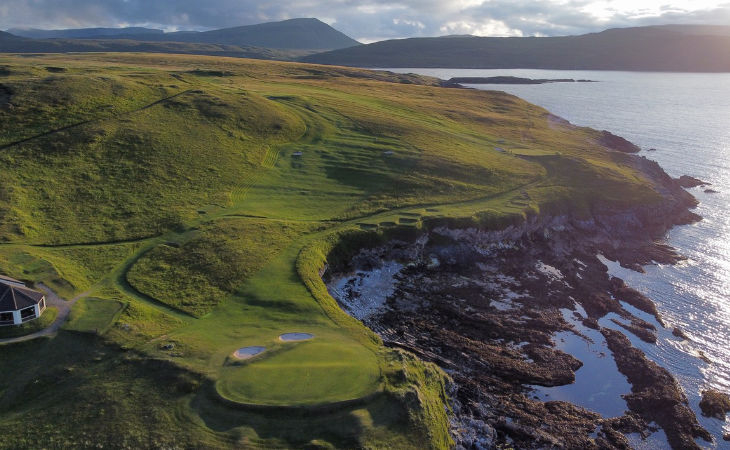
198	200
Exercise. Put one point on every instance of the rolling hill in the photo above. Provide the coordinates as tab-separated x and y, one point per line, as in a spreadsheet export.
662	48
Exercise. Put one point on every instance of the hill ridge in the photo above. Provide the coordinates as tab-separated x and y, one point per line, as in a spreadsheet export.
678	48
297	34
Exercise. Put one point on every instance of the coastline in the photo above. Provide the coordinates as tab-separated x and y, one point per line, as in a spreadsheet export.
448	307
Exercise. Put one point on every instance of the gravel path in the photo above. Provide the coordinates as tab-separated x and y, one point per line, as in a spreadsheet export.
64	309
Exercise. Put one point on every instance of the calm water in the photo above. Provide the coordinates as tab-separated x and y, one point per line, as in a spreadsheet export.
686	118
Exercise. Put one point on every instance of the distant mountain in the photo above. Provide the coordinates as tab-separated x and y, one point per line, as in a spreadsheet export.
683	48
294	34
7	37
701	30
14	44
301	34
84	33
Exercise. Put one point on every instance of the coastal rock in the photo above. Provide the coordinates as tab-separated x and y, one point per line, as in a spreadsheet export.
618	143
633	297
511	80
715	404
655	395
490	312
711	191
487	314
679	333
687	181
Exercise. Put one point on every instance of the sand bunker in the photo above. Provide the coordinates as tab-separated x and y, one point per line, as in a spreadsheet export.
248	352
296	337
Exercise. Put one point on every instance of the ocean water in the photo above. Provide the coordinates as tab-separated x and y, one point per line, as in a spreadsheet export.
686	118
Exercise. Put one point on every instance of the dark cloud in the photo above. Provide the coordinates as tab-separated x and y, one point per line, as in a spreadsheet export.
366	20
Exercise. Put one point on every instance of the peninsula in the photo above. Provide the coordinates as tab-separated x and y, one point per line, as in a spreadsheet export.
197	209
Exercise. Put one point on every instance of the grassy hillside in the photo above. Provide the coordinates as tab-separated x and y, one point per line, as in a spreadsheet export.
195	201
673	49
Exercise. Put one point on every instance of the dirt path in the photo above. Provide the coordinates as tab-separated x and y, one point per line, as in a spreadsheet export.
64	309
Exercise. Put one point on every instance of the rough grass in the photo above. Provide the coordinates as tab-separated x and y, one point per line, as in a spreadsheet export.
178	194
93	315
197	275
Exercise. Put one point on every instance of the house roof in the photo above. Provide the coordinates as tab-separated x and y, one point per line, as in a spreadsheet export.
13	298
4	279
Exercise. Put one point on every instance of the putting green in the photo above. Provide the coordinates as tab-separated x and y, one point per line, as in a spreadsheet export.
305	373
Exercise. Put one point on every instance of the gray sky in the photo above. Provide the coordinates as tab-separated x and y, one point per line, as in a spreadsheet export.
370	20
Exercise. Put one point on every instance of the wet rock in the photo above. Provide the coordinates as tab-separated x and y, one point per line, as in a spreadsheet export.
618	143
687	181
642	332
711	191
655	395
704	357
715	404
633	297
726	437
679	333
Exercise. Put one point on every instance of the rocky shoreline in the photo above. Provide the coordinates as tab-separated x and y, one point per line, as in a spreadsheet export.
490	307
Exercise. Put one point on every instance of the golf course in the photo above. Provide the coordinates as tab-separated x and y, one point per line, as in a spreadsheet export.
192	204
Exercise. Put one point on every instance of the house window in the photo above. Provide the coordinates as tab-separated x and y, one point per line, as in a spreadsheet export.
42	306
6	318
27	313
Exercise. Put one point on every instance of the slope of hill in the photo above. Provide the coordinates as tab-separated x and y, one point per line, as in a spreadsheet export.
83	33
301	34
206	195
6	37
293	34
14	44
688	49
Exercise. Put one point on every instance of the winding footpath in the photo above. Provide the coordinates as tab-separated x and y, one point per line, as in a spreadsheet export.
64	309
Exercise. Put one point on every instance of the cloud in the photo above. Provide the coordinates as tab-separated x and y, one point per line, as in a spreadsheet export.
370	20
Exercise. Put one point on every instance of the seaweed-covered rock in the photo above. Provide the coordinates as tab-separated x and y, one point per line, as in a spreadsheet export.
715	404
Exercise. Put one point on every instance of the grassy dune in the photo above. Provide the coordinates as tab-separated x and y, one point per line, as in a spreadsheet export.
197	198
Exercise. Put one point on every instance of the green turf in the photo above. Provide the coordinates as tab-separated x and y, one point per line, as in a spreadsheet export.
93	315
140	180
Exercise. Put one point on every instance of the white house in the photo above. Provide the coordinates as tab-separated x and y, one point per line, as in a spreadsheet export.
18	303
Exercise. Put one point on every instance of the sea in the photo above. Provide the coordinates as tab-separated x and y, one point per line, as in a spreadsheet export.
682	121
